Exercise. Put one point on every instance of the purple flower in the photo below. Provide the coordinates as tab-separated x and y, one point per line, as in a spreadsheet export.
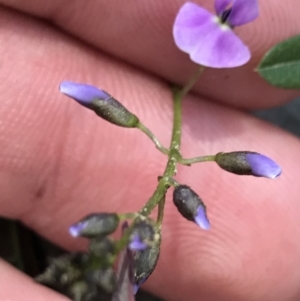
263	166
124	290
137	244
137	286
143	235
201	218
190	206
248	163
76	229
84	94
208	38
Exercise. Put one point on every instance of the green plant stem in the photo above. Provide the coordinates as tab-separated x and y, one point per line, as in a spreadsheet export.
160	212
189	161
129	215
158	145
166	180
174	155
192	81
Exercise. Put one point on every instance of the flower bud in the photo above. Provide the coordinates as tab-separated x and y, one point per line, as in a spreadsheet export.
103	104
248	163
96	224
64	270
145	262
143	235
103	278
190	206
101	246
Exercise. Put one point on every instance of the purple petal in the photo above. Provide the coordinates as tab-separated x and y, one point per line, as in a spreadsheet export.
124	290
263	166
189	19
137	286
220	49
84	94
221	5
209	43
76	229
136	244
201	218
243	11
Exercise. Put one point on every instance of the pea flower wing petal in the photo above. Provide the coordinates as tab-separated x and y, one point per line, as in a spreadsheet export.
242	12
189	20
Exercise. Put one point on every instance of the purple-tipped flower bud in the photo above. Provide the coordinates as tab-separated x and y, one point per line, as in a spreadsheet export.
96	224
143	235
103	104
145	262
82	93
190	206
248	163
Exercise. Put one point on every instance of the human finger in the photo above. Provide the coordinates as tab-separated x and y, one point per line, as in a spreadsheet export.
15	286
141	34
59	162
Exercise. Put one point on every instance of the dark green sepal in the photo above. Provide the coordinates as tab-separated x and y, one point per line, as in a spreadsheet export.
235	162
113	111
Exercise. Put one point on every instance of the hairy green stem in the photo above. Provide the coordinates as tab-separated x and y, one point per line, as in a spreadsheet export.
160	212
189	161
128	215
158	145
192	81
173	157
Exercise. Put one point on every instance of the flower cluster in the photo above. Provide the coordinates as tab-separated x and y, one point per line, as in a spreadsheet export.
210	41
143	236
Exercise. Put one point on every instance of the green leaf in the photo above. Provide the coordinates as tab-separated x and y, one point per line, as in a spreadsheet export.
281	65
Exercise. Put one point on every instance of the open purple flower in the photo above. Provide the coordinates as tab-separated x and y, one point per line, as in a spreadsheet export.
209	39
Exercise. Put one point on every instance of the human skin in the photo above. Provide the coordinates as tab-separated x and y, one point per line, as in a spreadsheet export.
59	162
